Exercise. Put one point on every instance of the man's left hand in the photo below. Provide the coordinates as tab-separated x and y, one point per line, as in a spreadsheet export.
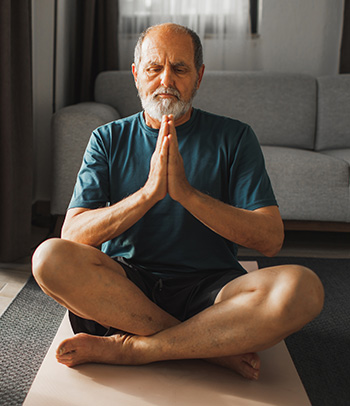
178	185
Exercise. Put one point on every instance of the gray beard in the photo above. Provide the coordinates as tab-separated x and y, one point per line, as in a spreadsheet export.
157	108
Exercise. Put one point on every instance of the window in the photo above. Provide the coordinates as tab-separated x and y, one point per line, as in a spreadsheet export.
224	26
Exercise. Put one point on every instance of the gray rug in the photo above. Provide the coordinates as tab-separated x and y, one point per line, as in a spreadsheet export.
27	329
320	351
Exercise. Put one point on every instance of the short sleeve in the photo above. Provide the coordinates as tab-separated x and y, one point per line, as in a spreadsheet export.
250	187
92	186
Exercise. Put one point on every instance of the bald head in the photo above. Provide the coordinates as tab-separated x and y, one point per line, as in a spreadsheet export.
175	29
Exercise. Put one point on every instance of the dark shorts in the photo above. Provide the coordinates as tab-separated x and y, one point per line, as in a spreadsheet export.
181	296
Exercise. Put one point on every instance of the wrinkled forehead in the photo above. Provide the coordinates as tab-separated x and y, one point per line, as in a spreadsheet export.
158	47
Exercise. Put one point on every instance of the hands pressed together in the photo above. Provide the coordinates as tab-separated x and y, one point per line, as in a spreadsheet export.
167	172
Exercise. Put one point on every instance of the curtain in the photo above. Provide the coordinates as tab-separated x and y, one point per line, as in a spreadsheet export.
96	43
223	26
16	130
345	45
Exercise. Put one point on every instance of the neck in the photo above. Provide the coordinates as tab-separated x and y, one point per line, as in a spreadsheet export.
153	123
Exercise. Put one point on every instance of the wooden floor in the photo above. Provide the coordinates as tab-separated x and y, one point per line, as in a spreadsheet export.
12	279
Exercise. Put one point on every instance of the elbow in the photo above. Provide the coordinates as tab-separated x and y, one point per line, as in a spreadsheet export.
69	232
73	233
66	233
275	243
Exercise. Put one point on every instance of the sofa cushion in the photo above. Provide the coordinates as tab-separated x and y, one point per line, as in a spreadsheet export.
343	153
333	122
281	108
309	185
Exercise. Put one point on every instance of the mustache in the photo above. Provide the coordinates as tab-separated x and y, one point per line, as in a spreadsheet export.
169	90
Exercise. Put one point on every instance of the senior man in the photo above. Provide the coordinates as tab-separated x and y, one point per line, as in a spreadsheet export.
169	193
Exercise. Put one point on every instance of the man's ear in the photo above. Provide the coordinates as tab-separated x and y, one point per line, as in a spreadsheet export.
200	75
134	73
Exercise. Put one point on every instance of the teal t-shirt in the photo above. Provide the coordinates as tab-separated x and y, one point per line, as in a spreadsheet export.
222	158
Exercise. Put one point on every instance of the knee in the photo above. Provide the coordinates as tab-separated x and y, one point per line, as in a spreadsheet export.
46	259
310	291
301	295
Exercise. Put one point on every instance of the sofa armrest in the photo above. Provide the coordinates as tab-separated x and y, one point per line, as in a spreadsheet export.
71	128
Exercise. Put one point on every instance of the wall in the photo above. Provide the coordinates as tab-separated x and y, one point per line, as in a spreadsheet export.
301	36
296	36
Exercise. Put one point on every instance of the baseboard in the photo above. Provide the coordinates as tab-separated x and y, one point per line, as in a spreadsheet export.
327	226
41	216
58	225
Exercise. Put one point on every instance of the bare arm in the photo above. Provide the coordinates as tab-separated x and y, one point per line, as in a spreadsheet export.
93	227
261	229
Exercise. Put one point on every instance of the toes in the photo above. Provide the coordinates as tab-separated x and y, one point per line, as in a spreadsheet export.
70	345
252	359
251	366
67	351
249	372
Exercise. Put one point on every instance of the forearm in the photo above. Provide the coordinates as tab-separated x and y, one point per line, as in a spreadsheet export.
94	227
260	229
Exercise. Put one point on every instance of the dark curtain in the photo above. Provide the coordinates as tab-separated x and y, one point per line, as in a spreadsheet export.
345	44
97	43
16	129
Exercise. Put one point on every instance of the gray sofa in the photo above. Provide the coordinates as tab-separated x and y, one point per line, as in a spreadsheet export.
302	122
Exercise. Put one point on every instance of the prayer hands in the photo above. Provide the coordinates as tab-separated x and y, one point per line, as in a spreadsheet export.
167	172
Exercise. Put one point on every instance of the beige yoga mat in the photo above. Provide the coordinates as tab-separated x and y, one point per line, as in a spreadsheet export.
180	383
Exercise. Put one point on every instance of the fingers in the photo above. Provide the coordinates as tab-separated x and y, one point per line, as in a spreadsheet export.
171	125
156	184
167	130
171	134
163	133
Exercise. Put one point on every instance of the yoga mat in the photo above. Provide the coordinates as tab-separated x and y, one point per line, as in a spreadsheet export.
188	382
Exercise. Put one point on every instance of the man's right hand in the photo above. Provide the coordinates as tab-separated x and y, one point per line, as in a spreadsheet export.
157	182
95	226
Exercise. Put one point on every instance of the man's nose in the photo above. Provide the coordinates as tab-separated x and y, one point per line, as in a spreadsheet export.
167	78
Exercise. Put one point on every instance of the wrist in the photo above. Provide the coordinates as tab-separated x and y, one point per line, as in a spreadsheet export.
150	195
187	192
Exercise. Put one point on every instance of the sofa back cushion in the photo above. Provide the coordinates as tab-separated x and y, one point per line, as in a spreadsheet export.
333	119
117	88
281	108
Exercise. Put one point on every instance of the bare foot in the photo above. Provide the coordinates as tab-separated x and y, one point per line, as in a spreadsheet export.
119	350
247	365
84	348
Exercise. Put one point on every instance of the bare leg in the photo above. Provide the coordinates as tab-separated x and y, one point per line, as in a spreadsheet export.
251	313
64	280
71	272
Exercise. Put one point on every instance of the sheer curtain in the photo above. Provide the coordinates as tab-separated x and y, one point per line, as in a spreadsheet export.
223	26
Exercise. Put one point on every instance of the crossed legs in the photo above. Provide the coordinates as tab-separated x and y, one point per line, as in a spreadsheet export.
251	313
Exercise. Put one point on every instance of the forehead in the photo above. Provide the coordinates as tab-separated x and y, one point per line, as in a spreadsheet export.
160	46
